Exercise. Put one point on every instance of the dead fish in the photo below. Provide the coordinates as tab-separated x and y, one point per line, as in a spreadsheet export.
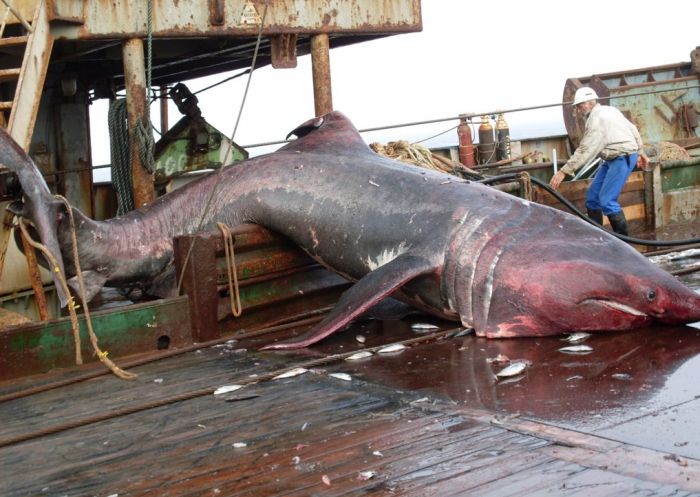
341	376
424	327
239	398
461	333
360	338
499	359
396	347
239	445
576	349
227	389
360	355
514	369
366	475
291	373
622	376
577	337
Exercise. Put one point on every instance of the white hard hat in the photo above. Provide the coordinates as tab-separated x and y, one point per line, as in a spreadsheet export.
584	94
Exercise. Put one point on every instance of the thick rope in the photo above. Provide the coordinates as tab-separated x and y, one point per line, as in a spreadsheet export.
102	355
144	128
147	144
120	155
233	290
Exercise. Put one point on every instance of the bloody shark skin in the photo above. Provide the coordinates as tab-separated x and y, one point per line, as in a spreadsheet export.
461	251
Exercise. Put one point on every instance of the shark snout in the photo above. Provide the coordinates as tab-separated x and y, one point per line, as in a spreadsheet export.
682	308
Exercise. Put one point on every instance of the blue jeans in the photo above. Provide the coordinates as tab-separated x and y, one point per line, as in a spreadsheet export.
607	184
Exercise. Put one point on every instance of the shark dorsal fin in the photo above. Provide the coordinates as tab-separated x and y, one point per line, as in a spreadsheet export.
327	132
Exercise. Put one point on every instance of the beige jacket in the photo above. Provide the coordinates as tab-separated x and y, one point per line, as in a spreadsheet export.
608	134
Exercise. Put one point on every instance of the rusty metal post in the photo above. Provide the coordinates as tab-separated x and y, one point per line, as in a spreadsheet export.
136	104
321	71
35	277
163	109
199	281
73	149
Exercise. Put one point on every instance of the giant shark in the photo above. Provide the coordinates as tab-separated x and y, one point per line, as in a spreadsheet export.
460	250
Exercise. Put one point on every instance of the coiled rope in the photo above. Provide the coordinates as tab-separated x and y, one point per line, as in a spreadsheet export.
120	155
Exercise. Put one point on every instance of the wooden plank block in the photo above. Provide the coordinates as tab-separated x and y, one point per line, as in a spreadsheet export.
636	462
12	41
30	85
9	74
561	436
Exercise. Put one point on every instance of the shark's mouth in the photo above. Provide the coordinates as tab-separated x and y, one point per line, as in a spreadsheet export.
615	306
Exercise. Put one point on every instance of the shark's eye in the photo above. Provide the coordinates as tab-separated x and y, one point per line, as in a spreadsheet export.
651	295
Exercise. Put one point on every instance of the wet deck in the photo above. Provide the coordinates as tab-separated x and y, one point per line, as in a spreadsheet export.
430	420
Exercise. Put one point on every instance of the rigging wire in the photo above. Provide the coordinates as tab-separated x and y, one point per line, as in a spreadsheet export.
477	114
207	206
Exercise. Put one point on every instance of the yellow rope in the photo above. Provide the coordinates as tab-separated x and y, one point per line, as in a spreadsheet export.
59	277
233	290
102	355
411	153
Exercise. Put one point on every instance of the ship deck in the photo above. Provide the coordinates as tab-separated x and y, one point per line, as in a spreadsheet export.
428	420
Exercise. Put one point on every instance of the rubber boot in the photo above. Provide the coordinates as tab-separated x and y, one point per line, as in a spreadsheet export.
596	215
618	223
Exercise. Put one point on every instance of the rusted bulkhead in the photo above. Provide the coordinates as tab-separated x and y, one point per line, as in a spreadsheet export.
117	19
663	101
222	31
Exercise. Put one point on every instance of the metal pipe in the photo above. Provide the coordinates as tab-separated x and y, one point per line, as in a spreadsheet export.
35	278
687	270
670	164
321	71
136	102
163	110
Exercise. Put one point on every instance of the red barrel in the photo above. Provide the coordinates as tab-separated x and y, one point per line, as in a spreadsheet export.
466	144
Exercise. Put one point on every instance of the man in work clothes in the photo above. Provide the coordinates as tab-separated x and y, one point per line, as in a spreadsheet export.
610	136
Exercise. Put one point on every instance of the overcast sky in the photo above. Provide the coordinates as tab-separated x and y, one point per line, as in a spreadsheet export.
470	57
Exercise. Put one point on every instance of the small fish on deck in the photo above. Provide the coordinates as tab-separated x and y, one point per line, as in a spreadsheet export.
577	337
576	349
514	369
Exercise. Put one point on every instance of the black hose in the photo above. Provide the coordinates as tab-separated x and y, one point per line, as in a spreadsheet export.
572	208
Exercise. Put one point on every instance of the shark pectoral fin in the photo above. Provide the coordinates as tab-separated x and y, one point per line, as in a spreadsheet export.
390	309
367	292
94	282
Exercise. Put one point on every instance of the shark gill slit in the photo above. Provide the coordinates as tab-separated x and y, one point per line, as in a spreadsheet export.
505	235
460	239
489	283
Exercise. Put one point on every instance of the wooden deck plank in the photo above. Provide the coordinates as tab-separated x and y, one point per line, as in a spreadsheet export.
334	428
